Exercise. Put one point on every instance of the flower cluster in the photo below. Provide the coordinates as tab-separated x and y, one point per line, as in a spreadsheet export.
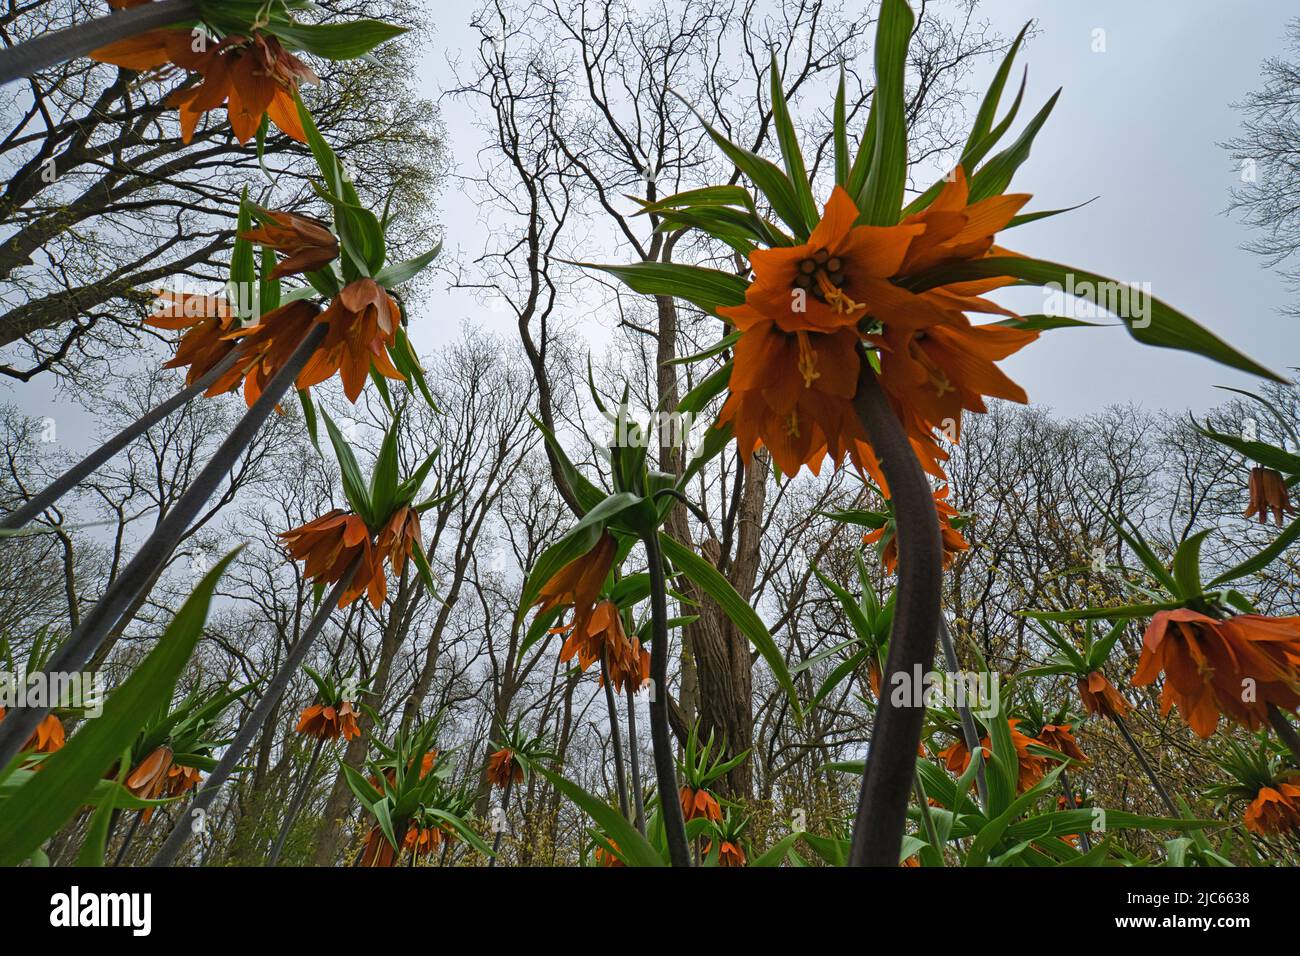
812	311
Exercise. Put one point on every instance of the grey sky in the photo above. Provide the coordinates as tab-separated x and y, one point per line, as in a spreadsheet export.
1137	125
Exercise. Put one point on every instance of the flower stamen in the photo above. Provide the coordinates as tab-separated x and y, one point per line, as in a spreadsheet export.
807	360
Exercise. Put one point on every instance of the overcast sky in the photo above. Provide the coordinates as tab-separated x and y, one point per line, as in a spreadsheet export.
1138	125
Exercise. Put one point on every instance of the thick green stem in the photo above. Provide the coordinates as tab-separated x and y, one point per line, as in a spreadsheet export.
670	807
1146	766
931	831
80	471
635	759
891	759
620	775
1285	731
153	554
252	725
296	807
1069	802
969	729
51	49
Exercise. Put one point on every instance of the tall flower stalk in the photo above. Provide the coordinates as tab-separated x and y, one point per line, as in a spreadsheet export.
190	822
127	586
88	465
51	49
679	852
891	761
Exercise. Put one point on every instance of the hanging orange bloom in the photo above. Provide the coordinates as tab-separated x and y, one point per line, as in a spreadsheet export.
422	841
181	780
46	738
1100	698
700	803
1058	737
792	393
251	77
629	664
1031	766
363	321
578	583
1232	668
149	777
265	347
1063	804
796	364
329	544
502	768
953	542
831	282
938	372
400	537
729	854
606	858
207	318
957	230
603	637
149	780
378	851
307	243
1275	811
328	722
1268	494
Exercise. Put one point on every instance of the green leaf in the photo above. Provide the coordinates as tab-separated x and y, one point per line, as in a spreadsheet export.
243	266
988	110
852	611
841	131
326	161
383	480
766	177
726	342
1163	327
995	176
775	855
586	493
47	800
1045	323
336	41
92	849
268	290
790	152
633	848
707	288
706	576
707	196
1262	560
1270	456
390	277
354	485
882	195
1126	611
1187	564
309	416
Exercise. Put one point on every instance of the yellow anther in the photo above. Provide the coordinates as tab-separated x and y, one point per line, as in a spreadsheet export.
836	298
807	360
